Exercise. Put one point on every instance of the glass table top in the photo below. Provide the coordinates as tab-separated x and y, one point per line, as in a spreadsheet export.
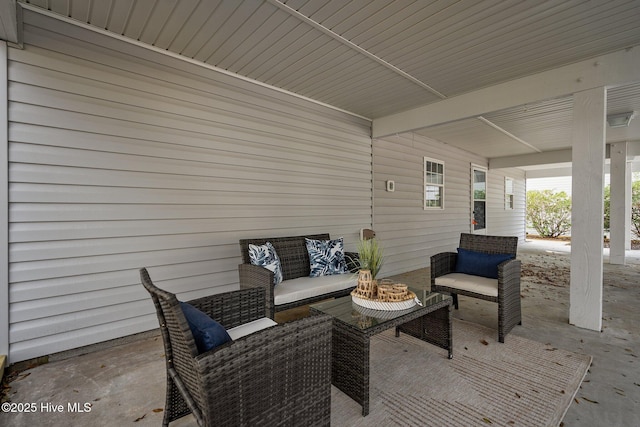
346	311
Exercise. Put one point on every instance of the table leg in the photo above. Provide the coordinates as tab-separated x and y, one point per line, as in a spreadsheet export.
434	327
350	364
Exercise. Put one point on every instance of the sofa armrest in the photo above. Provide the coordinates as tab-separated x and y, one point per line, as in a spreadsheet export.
441	264
509	306
286	363
233	308
509	277
253	276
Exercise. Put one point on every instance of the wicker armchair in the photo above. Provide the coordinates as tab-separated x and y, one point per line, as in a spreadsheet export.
508	292
276	376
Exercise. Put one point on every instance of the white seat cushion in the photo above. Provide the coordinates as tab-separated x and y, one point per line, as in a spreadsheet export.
478	284
307	287
251	327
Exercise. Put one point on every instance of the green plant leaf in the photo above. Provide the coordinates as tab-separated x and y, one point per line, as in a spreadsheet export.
370	256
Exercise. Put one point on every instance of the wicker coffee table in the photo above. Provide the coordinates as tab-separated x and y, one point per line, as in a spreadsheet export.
353	327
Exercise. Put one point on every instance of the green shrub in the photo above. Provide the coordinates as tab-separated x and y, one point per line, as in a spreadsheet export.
607	207
635	218
635	206
549	213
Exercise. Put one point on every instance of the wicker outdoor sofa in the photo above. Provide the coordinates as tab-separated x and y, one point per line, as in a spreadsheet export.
504	289
276	376
297	288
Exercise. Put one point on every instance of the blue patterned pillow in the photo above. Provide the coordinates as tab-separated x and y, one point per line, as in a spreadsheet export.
266	256
326	257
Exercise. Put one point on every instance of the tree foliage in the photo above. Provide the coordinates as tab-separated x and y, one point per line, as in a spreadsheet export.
549	213
607	207
635	218
635	207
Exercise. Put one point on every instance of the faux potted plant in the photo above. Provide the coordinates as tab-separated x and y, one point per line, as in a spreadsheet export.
370	256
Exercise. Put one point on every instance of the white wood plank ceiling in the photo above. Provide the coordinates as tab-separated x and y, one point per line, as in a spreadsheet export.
379	57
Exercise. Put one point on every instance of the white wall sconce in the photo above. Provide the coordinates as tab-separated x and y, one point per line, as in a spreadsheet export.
620	120
391	186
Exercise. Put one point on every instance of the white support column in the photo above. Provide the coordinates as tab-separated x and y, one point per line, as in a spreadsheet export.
588	155
620	204
4	203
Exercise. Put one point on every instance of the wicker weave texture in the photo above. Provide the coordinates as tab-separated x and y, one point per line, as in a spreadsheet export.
351	345
509	306
434	328
292	251
294	261
277	376
489	244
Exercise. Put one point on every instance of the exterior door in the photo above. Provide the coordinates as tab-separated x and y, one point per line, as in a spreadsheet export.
478	199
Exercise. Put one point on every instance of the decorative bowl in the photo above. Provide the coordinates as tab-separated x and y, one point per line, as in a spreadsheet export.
385	305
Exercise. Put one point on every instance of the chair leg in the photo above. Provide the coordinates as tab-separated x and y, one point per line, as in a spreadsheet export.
455	301
175	406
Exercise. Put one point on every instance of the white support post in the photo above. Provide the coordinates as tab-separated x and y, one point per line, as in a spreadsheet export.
4	202
588	155
620	204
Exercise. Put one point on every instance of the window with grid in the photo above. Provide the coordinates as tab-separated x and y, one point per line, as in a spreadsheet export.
508	193
433	184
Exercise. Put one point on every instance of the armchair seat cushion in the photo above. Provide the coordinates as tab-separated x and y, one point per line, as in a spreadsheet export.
250	327
467	282
308	287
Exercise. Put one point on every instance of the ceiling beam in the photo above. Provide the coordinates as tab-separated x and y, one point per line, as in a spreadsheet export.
552	157
544	158
611	70
567	171
548	173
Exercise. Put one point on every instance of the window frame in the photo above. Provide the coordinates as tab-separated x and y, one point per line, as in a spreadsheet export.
509	197
428	184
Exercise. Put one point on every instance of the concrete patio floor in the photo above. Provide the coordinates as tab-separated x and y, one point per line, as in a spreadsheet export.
128	378
610	393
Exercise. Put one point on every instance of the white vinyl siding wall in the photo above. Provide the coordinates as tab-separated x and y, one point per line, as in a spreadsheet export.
501	221
121	157
410	234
